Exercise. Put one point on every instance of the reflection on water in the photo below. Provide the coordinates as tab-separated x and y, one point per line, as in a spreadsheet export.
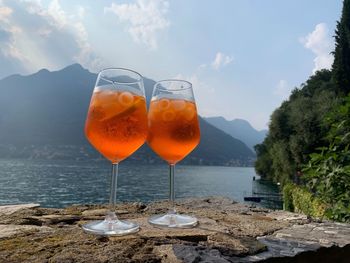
62	183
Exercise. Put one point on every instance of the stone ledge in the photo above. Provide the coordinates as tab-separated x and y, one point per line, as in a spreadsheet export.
8	231
10	209
228	232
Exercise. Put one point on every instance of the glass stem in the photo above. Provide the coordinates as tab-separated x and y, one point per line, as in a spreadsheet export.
172	210
113	195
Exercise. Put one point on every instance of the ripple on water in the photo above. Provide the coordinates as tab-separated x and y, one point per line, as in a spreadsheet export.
62	183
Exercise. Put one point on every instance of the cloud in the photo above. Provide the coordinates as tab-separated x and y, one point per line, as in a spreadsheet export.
42	37
221	60
56	13
5	12
321	44
282	89
145	19
81	12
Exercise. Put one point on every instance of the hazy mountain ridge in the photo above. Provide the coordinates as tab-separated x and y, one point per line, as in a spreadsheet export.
240	129
42	115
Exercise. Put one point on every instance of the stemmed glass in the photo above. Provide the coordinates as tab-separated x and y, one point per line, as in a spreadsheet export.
116	125
173	133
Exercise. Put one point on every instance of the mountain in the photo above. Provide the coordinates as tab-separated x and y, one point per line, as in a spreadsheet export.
240	129
42	116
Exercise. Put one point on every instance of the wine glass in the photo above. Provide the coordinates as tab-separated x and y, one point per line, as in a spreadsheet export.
116	125
173	132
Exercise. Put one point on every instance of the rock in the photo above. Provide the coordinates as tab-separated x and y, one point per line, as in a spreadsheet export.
166	252
8	231
206	228
59	219
227	232
10	209
230	246
95	212
287	216
326	234
191	254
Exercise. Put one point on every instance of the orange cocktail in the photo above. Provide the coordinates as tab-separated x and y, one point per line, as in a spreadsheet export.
173	128
173	132
116	123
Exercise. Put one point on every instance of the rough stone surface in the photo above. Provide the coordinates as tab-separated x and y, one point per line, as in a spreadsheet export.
228	232
15	230
10	209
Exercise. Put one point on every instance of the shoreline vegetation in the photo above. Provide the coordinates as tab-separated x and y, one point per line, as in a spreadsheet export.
308	143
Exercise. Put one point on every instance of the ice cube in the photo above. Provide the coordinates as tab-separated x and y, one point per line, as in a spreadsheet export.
178	105
189	113
164	104
126	99
168	115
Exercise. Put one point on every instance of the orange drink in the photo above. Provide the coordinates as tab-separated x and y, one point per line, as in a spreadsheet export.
173	133
116	123
173	128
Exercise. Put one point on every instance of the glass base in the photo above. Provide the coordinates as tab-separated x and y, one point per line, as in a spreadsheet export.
173	220
111	227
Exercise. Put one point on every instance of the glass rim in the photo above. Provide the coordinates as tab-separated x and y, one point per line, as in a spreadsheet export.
121	69
173	80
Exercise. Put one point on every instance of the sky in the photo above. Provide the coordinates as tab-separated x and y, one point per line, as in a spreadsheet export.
243	57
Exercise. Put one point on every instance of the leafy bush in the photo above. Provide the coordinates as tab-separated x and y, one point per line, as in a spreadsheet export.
288	197
327	174
305	202
299	199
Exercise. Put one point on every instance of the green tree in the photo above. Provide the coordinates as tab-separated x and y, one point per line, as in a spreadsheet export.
296	129
341	64
313	127
263	164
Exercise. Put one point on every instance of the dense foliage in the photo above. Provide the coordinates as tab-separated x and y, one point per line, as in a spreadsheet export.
327	174
299	199
309	137
341	65
296	129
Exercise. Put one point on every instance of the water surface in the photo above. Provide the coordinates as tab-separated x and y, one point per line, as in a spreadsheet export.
63	183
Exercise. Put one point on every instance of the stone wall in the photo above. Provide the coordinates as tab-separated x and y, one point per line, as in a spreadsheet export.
228	232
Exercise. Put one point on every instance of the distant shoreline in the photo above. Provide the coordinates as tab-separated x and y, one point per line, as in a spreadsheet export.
124	162
86	153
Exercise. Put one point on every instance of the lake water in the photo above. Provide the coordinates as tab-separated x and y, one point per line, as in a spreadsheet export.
63	183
